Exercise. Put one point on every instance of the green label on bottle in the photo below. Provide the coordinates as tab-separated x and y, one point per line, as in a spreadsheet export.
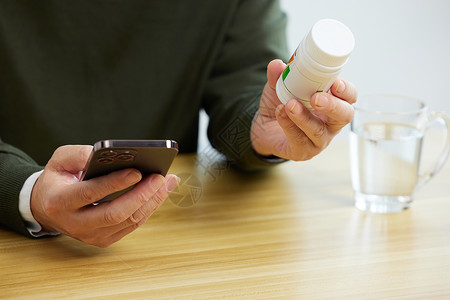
285	73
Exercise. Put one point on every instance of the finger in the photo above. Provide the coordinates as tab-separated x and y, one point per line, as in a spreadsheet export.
339	112
274	70
345	90
106	242
140	216
104	237
89	191
269	101
121	208
299	143
314	128
143	213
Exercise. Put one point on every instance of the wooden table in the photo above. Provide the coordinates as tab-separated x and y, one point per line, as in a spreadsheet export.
291	233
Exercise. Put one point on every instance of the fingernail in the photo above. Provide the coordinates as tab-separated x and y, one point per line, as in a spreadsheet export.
292	106
172	183
133	176
340	87
157	181
320	101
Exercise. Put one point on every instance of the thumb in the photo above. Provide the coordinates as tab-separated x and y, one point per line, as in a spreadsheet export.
274	70
70	158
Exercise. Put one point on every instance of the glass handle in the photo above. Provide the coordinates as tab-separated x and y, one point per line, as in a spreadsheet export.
442	158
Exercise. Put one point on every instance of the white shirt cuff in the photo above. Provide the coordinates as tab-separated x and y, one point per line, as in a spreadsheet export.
34	228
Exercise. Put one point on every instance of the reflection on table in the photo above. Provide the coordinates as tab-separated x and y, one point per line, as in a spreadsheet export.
289	233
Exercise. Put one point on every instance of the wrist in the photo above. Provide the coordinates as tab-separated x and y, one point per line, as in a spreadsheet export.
36	207
32	225
260	150
256	138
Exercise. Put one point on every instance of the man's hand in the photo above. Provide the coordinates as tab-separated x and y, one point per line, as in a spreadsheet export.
61	202
293	132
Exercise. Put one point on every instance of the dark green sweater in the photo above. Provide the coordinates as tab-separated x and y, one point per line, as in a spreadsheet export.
75	72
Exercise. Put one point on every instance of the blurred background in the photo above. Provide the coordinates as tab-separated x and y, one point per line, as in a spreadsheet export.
402	46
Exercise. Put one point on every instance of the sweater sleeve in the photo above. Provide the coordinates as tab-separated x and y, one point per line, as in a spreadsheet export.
15	168
255	36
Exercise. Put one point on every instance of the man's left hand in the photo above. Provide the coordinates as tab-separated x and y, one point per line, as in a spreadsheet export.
293	132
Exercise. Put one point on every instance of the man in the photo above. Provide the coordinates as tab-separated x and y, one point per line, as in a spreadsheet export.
74	72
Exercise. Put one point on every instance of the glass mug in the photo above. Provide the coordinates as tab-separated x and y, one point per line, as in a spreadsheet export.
385	150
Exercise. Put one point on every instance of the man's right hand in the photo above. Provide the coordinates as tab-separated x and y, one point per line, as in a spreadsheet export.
61	202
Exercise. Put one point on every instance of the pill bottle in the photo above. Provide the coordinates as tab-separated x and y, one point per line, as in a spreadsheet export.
317	62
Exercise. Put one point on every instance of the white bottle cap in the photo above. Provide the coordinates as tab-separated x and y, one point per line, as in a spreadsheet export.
329	43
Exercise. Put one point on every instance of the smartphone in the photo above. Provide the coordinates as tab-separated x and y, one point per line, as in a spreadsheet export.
147	156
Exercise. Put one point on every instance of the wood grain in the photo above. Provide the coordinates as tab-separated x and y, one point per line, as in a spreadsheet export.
290	233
